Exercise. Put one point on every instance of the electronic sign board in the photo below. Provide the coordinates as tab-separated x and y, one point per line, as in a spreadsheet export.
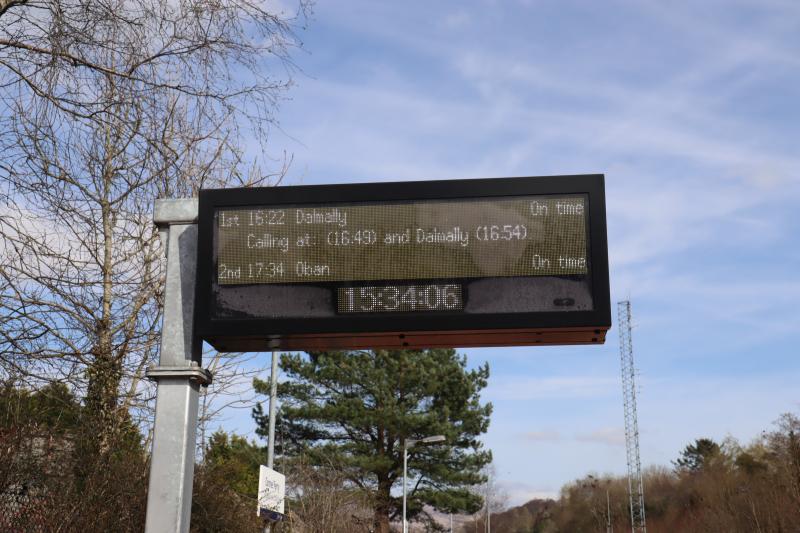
488	262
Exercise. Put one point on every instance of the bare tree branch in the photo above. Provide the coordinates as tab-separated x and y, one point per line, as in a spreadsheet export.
104	107
5	5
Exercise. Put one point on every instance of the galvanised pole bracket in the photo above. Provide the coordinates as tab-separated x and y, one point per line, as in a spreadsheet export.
202	375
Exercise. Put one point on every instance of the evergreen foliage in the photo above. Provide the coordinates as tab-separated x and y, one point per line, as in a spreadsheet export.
226	485
238	459
52	408
698	455
356	409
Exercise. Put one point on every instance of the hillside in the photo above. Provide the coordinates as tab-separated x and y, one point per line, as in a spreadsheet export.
525	518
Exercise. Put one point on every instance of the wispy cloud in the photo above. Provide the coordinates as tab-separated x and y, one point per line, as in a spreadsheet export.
519	492
613	436
528	388
541	436
457	20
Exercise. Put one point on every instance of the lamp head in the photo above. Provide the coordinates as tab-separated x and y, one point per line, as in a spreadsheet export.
410	443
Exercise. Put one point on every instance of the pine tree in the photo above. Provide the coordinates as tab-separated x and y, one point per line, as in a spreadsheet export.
697	456
226	485
355	410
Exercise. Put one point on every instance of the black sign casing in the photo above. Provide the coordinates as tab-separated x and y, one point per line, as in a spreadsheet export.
497	311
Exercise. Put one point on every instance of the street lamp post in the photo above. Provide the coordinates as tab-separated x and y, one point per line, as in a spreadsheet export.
410	444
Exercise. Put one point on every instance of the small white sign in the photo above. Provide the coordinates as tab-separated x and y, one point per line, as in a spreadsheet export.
271	491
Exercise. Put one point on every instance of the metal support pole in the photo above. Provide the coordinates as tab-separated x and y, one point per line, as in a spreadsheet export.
405	467
489	503
273	400
410	443
178	376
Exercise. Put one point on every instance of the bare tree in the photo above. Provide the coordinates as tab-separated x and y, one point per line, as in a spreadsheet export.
105	106
231	390
495	499
320	498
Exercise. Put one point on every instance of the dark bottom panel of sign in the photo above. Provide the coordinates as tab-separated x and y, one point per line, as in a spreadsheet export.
415	340
481	296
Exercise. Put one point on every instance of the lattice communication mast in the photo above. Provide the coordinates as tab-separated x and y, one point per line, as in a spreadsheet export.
635	485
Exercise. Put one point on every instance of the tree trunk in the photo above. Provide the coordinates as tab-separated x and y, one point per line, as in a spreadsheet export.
102	419
383	506
102	398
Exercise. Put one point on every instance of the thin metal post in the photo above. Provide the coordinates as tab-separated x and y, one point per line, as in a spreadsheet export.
178	375
405	466
409	443
273	399
488	503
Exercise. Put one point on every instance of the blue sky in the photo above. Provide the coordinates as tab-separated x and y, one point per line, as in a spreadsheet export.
690	109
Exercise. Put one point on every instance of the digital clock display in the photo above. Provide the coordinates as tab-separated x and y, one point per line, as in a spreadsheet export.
400	298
